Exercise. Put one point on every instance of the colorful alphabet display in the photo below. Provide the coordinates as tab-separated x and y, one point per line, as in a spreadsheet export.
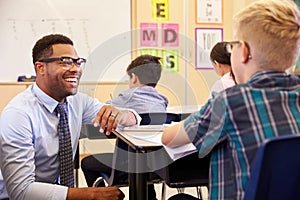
161	38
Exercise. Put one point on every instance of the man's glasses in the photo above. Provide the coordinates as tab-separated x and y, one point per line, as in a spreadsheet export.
229	47
66	62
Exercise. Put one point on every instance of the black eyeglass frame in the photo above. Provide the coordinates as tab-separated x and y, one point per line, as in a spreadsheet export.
76	61
229	45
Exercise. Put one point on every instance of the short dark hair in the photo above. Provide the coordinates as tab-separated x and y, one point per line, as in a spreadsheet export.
219	54
43	47
147	68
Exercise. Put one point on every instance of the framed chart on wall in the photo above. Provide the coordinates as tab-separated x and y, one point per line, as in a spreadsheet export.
206	38
209	11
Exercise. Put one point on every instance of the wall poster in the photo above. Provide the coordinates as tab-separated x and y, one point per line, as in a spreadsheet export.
209	11
206	38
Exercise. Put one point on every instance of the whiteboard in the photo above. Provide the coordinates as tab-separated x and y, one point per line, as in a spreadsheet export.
91	24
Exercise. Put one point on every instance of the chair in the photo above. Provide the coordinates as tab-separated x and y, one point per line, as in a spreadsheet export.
276	170
188	171
121	152
76	167
87	131
159	118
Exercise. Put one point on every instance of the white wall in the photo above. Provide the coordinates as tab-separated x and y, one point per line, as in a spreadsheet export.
90	24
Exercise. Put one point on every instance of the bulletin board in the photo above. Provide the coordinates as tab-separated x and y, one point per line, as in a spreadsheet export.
191	76
93	25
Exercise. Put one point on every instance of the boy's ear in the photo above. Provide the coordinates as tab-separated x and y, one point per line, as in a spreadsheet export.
245	52
134	78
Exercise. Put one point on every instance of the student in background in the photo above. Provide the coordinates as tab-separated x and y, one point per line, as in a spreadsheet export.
220	59
29	140
265	103
144	73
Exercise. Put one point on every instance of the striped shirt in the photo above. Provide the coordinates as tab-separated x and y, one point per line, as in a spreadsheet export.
236	121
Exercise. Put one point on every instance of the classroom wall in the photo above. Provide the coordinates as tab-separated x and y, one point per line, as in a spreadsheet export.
189	83
103	91
111	46
95	26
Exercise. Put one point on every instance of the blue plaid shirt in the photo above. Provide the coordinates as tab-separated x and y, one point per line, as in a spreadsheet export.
235	122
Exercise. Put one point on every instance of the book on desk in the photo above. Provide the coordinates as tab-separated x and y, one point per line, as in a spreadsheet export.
150	135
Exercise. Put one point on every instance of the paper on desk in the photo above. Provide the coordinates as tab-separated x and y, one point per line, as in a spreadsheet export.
146	128
154	136
181	151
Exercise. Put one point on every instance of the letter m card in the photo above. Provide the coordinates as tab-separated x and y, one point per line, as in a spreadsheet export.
148	35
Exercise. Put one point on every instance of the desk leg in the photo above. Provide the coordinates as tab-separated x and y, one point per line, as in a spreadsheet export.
131	175
141	177
132	187
138	188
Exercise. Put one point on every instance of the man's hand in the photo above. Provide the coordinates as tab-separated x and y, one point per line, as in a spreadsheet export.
95	193
110	117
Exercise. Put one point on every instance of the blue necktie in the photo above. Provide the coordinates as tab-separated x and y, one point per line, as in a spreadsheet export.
65	148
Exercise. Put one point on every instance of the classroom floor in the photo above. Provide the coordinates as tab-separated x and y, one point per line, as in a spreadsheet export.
158	187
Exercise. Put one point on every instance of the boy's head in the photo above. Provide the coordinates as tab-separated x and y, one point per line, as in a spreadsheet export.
271	28
147	68
267	37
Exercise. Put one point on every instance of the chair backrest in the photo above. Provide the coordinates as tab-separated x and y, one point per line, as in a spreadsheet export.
276	170
159	118
92	132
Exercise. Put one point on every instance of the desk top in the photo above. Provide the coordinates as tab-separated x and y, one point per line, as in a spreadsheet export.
143	140
139	139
